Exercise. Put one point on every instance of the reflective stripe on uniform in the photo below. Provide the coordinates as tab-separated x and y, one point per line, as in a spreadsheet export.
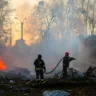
40	63
39	68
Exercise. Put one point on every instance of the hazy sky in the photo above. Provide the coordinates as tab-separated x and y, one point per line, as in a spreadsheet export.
23	9
17	3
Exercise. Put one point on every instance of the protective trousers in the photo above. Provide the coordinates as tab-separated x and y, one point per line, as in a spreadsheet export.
39	74
64	71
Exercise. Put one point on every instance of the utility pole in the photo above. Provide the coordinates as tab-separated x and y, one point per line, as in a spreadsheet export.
10	34
22	30
22	27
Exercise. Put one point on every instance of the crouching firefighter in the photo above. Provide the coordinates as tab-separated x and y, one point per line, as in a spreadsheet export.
39	68
66	61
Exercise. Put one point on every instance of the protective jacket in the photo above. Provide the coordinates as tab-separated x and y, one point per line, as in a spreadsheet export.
39	64
67	60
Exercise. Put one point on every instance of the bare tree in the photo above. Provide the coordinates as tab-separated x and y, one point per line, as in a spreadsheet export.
87	9
45	14
5	11
71	17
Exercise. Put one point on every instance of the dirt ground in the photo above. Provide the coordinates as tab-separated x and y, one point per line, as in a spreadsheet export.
75	89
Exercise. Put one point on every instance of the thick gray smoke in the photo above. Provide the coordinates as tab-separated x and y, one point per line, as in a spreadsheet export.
53	49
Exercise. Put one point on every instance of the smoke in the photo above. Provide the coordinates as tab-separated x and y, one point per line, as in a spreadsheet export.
1	3
53	49
16	4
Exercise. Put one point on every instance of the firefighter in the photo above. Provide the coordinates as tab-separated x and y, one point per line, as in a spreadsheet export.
39	68
66	61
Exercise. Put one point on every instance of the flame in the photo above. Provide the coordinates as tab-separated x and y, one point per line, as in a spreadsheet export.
2	65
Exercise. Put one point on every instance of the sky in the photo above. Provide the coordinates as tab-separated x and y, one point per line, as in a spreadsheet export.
21	13
17	3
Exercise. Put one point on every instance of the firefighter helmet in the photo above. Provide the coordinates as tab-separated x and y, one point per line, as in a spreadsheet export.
39	56
67	53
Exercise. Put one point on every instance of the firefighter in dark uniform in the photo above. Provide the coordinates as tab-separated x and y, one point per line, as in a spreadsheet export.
39	68
66	61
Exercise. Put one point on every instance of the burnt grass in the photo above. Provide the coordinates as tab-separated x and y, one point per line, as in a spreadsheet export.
75	87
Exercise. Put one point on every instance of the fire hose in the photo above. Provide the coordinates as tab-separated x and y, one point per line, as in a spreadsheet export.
50	71
71	58
54	67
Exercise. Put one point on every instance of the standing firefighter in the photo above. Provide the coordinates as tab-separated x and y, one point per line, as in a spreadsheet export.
66	61
39	68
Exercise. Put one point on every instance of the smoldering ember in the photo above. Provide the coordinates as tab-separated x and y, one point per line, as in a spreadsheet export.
47	47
